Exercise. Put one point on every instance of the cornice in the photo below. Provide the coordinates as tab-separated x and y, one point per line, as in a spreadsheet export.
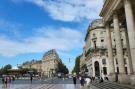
108	8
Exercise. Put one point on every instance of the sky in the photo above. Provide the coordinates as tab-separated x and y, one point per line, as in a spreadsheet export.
29	28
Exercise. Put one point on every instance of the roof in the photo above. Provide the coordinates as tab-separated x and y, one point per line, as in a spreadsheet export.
97	23
50	53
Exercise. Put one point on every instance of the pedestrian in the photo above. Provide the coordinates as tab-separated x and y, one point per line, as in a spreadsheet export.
13	78
82	81
101	80
88	80
74	80
31	78
2	80
5	82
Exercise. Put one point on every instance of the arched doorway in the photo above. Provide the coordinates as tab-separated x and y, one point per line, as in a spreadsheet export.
97	68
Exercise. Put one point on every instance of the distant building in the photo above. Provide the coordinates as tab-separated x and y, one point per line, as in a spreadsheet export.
34	64
50	63
47	66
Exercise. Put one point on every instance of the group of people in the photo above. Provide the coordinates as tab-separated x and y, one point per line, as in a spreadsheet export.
86	80
6	80
83	80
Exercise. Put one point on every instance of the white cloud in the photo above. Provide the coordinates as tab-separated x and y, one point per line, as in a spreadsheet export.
10	27
70	10
64	39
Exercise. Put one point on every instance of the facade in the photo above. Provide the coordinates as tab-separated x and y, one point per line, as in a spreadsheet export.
34	64
95	53
110	43
50	63
47	66
120	13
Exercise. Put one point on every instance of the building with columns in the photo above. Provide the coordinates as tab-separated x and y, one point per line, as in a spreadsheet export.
120	13
96	55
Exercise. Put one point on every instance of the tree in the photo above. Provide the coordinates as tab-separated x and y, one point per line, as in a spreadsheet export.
62	68
5	69
77	65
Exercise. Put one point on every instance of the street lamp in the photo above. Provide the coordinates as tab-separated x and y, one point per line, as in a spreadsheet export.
94	39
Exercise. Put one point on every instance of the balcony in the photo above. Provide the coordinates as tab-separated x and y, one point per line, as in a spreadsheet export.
92	50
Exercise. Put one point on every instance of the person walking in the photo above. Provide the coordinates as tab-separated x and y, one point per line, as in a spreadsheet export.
101	80
5	82
74	80
2	80
31	78
13	78
88	80
82	81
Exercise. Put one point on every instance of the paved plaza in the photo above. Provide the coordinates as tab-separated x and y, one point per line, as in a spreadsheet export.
42	84
62	84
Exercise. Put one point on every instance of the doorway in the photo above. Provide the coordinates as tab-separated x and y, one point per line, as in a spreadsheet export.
97	69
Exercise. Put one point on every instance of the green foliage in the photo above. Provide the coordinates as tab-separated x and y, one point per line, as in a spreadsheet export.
77	65
5	69
62	68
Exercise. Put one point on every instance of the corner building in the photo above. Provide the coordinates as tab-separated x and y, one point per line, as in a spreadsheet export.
100	60
50	63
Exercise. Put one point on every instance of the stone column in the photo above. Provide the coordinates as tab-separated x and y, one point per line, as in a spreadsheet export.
129	53
131	33
110	54
122	76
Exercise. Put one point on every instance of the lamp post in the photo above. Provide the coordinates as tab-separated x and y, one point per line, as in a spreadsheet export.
94	39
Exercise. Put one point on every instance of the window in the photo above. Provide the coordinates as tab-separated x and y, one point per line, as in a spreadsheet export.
105	70
122	42
118	70
104	61
116	61
126	70
125	61
102	40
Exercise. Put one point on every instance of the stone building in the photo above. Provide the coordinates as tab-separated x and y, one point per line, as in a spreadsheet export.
47	66
34	64
96	53
50	63
120	13
114	51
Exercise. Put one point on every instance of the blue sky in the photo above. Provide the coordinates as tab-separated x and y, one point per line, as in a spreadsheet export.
29	28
